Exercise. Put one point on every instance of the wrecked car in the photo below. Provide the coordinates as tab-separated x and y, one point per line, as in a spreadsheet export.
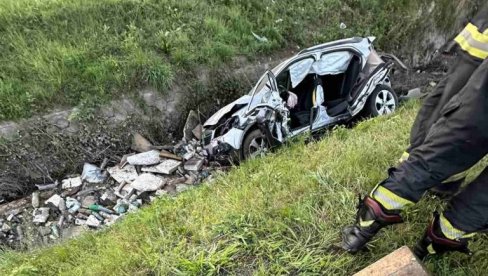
316	89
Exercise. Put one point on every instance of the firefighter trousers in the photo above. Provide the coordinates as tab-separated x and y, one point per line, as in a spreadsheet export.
457	141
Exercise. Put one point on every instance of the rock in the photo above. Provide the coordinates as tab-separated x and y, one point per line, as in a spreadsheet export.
92	221
55	201
433	83
108	198
44	231
182	187
147	182
72	232
401	262
35	199
414	93
140	144
197	132
193	164
145	158
80	221
6	228
92	174
88	201
40	215
126	174
192	121
71	183
168	166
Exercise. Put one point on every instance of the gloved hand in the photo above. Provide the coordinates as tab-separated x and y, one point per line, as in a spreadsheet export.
292	100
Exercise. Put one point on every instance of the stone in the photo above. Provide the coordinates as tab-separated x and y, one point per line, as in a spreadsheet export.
88	200
433	83
108	198
44	231
168	166
72	232
40	215
80	221
55	201
92	221
126	174
193	164
182	187
192	121
414	93
140	144
401	262
92	174
6	228
147	182
197	132
35	199
71	183
144	159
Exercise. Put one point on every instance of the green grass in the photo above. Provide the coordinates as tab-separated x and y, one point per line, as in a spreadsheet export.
277	215
62	53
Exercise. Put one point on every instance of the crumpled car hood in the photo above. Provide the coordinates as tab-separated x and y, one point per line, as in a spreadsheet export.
244	100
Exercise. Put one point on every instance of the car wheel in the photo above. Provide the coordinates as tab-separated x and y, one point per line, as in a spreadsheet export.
255	145
382	101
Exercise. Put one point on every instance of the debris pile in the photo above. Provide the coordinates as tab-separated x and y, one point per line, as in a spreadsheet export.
103	194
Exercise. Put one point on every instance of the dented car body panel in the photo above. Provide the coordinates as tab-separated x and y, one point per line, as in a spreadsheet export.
332	82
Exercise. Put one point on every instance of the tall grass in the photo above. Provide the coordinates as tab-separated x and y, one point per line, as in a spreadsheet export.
281	214
56	53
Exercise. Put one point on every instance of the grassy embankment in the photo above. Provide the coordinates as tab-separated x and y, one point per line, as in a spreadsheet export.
277	215
62	53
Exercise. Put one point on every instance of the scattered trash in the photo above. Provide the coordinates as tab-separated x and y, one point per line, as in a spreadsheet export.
71	183
433	83
92	174
44	187
145	158
92	221
55	200
261	39
35	199
41	215
343	26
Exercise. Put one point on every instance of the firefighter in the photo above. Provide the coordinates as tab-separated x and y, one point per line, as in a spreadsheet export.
455	142
467	60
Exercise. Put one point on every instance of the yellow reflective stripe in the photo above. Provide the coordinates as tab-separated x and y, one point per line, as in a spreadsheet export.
389	200
473	42
450	231
456	177
365	223
404	157
475	33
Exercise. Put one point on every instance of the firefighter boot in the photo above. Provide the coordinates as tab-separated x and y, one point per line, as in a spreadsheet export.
435	242
370	218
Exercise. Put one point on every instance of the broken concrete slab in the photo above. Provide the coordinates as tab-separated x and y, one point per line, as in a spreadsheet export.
193	164
41	215
140	144
144	159
168	166
71	183
197	132
92	221
126	174
55	201
92	174
147	182
401	262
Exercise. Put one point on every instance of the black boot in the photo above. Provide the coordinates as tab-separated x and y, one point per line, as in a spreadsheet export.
371	217
435	242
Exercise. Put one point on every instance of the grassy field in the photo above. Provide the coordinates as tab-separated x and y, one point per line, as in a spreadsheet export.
277	215
62	53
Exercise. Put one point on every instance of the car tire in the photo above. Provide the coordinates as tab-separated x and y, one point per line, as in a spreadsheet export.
382	101
255	144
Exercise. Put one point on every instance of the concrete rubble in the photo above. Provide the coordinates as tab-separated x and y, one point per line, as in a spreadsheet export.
103	194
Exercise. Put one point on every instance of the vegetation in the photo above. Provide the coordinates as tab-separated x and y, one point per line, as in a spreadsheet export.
281	214
57	53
